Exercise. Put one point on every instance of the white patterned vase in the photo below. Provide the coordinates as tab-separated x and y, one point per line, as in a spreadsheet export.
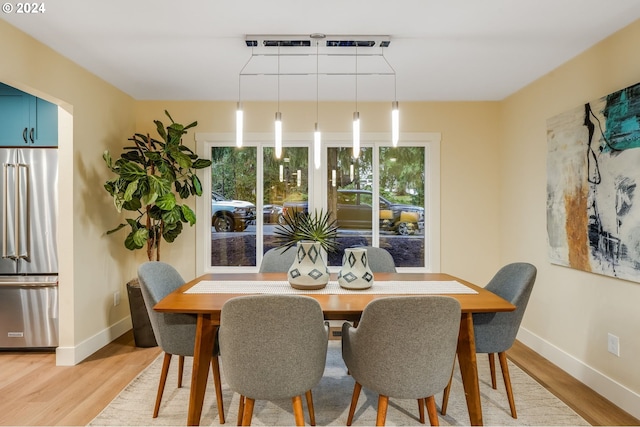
355	272
309	270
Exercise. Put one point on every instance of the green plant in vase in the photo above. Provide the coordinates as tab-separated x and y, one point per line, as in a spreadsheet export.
311	234
318	226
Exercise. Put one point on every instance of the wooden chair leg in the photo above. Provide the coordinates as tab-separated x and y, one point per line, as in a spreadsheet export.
247	414
354	401
166	362
421	404
240	410
312	413
430	403
383	404
507	382
298	414
447	391
215	368
492	368
180	370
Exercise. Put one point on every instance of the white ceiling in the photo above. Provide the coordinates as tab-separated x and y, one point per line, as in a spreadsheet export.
440	50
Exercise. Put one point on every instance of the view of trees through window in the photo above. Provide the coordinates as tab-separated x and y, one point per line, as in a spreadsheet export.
233	206
394	220
285	187
399	208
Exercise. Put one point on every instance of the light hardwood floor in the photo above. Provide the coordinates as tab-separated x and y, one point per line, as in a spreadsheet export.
35	392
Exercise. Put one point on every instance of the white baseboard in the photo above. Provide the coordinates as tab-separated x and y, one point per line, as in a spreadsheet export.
621	396
69	356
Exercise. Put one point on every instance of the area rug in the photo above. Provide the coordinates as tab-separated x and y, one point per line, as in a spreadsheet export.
535	405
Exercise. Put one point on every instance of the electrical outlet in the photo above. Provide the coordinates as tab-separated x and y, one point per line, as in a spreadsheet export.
116	298
613	344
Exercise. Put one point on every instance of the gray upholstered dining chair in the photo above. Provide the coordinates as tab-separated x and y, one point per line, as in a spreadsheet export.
380	260
277	260
496	332
175	333
403	348
273	347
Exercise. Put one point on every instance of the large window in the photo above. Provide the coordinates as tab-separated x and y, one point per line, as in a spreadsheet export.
285	186
233	206
387	197
379	200
349	197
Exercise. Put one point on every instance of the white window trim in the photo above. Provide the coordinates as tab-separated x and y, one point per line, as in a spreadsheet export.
318	185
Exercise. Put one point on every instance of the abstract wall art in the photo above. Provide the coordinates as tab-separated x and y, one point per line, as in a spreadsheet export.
593	169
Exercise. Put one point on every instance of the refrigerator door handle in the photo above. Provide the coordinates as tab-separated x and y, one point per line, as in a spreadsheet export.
5	211
23	237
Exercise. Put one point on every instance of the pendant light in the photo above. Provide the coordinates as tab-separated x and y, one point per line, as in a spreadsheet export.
395	112
332	42
239	125
317	136
278	122
278	135
395	123
239	112
356	118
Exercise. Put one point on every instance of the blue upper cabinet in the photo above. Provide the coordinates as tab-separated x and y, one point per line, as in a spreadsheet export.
45	128
26	121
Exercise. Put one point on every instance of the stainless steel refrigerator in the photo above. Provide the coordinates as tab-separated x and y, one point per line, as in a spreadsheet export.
29	256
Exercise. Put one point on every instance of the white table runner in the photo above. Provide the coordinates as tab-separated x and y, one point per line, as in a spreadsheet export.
283	287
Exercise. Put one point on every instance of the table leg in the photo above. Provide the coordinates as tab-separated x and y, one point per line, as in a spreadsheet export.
469	369
203	349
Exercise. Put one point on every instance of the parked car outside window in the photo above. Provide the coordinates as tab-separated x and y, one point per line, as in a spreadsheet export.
355	212
231	215
271	214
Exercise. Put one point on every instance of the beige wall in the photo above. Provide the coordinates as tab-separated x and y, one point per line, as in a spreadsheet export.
570	312
92	266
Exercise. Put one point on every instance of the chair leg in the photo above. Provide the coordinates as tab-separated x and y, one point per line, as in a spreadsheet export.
383	404
215	368
312	413
430	403
247	414
447	391
180	370
492	368
240	410
421	404
354	401
298	414
163	379
507	382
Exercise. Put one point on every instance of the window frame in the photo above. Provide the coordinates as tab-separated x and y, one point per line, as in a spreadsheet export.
318	186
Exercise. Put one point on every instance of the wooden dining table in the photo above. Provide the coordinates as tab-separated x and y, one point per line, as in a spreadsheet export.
338	306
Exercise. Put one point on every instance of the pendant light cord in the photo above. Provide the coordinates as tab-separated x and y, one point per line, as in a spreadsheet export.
395	80
356	77
278	77
317	84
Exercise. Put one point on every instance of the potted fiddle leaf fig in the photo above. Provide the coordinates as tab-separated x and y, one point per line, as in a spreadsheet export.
152	176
